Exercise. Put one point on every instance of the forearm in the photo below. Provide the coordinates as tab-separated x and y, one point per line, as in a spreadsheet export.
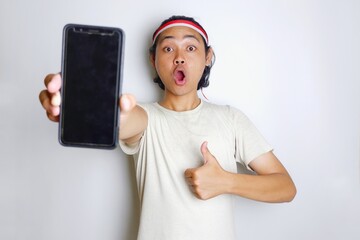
275	188
132	124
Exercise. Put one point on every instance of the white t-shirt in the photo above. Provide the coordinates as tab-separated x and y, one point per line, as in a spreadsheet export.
170	145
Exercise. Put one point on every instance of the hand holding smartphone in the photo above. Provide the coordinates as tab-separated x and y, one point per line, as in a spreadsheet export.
92	59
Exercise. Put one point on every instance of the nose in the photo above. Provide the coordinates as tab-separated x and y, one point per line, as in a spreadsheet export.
177	62
179	59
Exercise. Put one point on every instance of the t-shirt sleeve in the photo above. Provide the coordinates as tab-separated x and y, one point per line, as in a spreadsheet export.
249	142
129	149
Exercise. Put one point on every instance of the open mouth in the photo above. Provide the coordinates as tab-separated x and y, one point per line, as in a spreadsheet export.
179	77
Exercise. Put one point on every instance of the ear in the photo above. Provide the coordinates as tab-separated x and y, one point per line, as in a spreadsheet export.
152	59
209	56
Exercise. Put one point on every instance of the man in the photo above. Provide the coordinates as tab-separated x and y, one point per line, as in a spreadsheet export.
186	149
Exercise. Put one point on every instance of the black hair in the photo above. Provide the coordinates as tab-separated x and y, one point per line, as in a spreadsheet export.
204	81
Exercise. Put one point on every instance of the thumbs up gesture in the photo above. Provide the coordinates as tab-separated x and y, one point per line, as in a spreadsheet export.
206	181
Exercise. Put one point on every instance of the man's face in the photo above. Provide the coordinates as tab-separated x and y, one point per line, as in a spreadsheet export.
180	59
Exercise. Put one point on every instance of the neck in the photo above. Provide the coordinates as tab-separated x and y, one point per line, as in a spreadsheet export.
180	104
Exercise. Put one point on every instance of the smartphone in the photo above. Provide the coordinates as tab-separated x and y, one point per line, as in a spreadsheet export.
92	60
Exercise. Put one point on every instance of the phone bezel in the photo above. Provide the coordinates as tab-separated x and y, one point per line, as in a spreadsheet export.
92	29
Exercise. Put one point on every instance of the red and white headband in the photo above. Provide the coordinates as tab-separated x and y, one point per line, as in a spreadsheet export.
182	23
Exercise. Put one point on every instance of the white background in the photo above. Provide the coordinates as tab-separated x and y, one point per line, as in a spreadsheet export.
292	66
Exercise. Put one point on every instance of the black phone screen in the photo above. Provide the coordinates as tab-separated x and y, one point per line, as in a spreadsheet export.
91	73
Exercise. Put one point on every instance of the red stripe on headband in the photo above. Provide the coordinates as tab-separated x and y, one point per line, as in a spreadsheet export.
195	26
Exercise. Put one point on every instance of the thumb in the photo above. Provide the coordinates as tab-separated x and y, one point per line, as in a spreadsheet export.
207	156
127	103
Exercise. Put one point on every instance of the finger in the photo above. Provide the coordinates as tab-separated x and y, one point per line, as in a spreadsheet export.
46	101
127	102
53	82
196	192
189	182
44	97
204	148
205	151
188	173
56	99
48	78
53	118
192	189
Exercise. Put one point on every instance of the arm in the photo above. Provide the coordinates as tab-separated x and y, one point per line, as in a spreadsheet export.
271	184
133	119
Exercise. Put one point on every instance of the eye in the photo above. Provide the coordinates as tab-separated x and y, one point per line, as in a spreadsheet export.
191	48
168	49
